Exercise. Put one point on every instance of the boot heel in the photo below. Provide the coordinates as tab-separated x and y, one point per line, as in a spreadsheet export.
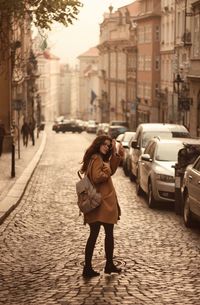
89	272
112	269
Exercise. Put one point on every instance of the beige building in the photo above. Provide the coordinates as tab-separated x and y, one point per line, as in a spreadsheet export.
65	91
75	94
117	48
48	84
168	111
89	85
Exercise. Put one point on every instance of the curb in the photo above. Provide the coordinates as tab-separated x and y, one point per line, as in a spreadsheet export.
13	197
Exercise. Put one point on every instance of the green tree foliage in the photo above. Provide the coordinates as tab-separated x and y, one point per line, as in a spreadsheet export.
42	12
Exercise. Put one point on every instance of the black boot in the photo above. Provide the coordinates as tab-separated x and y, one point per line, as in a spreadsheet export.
111	268
89	272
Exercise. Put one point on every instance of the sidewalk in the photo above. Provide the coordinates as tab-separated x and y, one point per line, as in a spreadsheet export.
12	189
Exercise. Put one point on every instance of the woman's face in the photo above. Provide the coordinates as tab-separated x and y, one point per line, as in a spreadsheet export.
105	147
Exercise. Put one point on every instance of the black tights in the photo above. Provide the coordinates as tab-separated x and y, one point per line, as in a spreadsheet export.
109	242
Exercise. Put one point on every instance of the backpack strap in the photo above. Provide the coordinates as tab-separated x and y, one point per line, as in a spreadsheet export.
79	174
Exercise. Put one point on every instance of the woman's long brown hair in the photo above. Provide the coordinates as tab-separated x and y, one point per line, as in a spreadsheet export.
94	148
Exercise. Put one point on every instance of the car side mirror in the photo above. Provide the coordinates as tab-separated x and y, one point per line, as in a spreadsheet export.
134	144
146	157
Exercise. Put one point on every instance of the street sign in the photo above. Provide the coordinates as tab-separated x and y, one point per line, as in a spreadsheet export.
184	103
17	104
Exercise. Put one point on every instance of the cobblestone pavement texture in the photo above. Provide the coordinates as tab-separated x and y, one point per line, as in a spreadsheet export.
43	239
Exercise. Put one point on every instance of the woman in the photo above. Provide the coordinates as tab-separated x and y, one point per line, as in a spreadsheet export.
100	163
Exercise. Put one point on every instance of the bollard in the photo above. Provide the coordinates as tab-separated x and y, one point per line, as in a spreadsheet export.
13	161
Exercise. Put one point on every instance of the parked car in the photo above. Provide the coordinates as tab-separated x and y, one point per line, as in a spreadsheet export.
119	140
102	128
147	131
127	151
114	131
67	125
91	126
156	173
124	139
119	123
191	193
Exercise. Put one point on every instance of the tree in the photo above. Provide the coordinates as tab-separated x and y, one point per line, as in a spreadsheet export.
19	14
42	12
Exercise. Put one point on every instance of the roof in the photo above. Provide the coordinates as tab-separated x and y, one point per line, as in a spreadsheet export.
46	54
162	127
190	141
92	52
133	8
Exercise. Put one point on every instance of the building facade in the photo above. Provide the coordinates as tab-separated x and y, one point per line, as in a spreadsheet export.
168	111
89	85
48	84
117	48
16	58
148	61
193	75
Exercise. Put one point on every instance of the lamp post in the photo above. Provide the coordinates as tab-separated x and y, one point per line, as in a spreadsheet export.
38	101
181	88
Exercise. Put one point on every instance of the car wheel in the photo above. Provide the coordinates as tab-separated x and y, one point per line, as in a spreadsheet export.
151	199
138	187
187	217
131	176
125	168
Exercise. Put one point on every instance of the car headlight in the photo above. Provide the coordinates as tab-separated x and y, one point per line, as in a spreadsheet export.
165	178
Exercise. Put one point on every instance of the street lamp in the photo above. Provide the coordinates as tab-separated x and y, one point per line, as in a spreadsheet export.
180	87
38	113
178	80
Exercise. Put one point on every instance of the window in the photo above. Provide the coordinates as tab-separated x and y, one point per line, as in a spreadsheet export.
147	33
140	90
147	63
157	33
141	63
197	165
196	41
157	63
141	34
149	5
147	91
156	89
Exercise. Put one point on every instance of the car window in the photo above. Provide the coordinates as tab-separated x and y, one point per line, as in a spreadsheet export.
168	152
197	165
179	134
127	137
151	134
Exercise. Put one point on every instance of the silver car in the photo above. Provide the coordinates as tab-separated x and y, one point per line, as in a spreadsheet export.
156	173
145	132
191	193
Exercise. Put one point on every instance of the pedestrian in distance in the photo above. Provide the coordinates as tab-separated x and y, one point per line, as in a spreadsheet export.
31	131
100	162
2	135
25	133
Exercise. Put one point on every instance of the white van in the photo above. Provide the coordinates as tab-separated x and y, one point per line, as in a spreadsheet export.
147	131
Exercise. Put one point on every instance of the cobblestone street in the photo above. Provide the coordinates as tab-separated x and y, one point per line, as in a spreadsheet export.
43	240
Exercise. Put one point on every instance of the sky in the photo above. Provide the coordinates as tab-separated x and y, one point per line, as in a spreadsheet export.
70	42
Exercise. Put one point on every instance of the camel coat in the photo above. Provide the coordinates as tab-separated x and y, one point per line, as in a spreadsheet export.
100	174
